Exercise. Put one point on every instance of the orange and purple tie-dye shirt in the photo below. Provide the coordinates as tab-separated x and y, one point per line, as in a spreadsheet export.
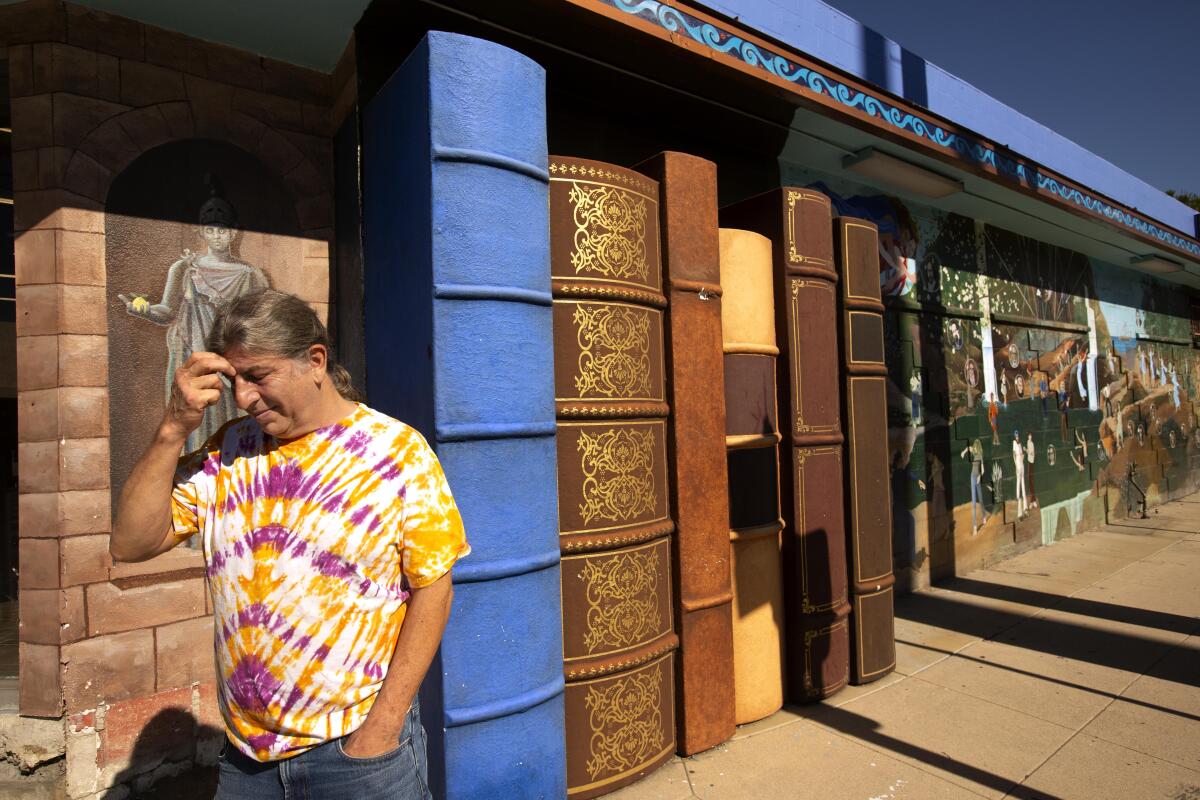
312	546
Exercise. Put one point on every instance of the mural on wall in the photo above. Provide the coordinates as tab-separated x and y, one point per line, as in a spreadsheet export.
197	287
189	227
1029	385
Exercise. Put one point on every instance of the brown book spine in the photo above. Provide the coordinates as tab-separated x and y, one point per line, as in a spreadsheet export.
864	408
799	224
752	437
691	267
613	474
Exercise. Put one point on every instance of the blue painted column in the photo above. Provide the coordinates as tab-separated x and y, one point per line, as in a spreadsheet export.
457	317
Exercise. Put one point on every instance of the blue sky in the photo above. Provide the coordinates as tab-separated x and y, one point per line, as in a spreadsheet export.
1118	78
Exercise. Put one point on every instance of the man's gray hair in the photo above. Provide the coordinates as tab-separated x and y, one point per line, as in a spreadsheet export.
268	322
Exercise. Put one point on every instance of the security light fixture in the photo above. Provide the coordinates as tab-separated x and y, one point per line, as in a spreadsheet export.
1156	264
901	174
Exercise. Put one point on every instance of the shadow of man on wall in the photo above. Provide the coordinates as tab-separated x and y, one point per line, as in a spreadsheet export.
174	757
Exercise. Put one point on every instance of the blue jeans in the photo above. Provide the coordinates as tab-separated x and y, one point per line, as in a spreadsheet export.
327	773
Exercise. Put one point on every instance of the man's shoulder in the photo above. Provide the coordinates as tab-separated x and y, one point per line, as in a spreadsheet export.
388	432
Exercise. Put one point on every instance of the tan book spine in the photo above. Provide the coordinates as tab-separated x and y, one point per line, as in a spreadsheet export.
752	437
799	224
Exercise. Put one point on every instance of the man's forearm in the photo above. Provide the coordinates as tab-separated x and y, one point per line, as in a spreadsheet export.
424	621
144	510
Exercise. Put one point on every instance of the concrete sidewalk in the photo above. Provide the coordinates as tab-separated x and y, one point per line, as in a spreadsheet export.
1071	671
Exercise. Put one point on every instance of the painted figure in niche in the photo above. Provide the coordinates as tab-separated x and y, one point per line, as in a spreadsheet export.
1014	358
197	288
974	455
1018	456
1004	389
1050	457
1030	458
1019	385
1141	434
993	416
914	384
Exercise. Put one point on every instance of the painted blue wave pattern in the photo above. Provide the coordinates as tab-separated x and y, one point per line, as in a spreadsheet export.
676	21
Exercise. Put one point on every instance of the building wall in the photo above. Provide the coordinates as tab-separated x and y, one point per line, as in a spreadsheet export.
122	651
975	312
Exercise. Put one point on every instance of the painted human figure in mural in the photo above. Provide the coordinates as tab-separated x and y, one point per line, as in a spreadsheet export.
1044	391
1081	374
1030	458
993	415
1063	406
1079	453
197	288
1175	385
1018	456
971	376
997	485
1004	389
914	384
974	455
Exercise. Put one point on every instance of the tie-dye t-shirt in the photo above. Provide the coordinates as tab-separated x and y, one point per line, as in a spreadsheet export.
312	545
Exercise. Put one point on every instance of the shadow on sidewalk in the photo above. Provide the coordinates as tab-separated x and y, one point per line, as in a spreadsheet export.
1119	650
867	730
1175	623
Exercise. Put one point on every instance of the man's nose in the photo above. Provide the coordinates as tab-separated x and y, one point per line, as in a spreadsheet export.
244	394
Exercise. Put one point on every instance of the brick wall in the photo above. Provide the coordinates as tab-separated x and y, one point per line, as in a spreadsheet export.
110	645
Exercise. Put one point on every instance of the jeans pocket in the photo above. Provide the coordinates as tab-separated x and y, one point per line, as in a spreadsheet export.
390	754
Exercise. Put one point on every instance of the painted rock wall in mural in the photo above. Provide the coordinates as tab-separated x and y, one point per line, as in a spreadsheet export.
1030	390
190	227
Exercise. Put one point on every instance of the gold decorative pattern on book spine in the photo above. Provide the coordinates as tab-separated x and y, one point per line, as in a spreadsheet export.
618	474
610	232
626	722
614	357
622	596
794	256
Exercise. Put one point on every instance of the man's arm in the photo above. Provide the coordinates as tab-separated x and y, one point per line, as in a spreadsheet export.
142	528
428	610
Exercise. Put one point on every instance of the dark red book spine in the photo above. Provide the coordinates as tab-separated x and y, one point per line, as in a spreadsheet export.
864	409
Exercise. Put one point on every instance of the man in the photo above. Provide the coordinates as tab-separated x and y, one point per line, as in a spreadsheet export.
329	534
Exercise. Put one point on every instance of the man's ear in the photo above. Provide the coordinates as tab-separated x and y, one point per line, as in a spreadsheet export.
318	362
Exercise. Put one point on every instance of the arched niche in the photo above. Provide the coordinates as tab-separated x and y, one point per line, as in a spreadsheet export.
155	249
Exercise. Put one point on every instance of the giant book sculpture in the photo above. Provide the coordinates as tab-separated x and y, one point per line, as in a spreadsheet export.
799	225
752	436
864	401
613	486
457	313
691	268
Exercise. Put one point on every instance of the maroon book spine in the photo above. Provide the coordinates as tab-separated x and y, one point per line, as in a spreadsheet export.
864	409
704	691
799	224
